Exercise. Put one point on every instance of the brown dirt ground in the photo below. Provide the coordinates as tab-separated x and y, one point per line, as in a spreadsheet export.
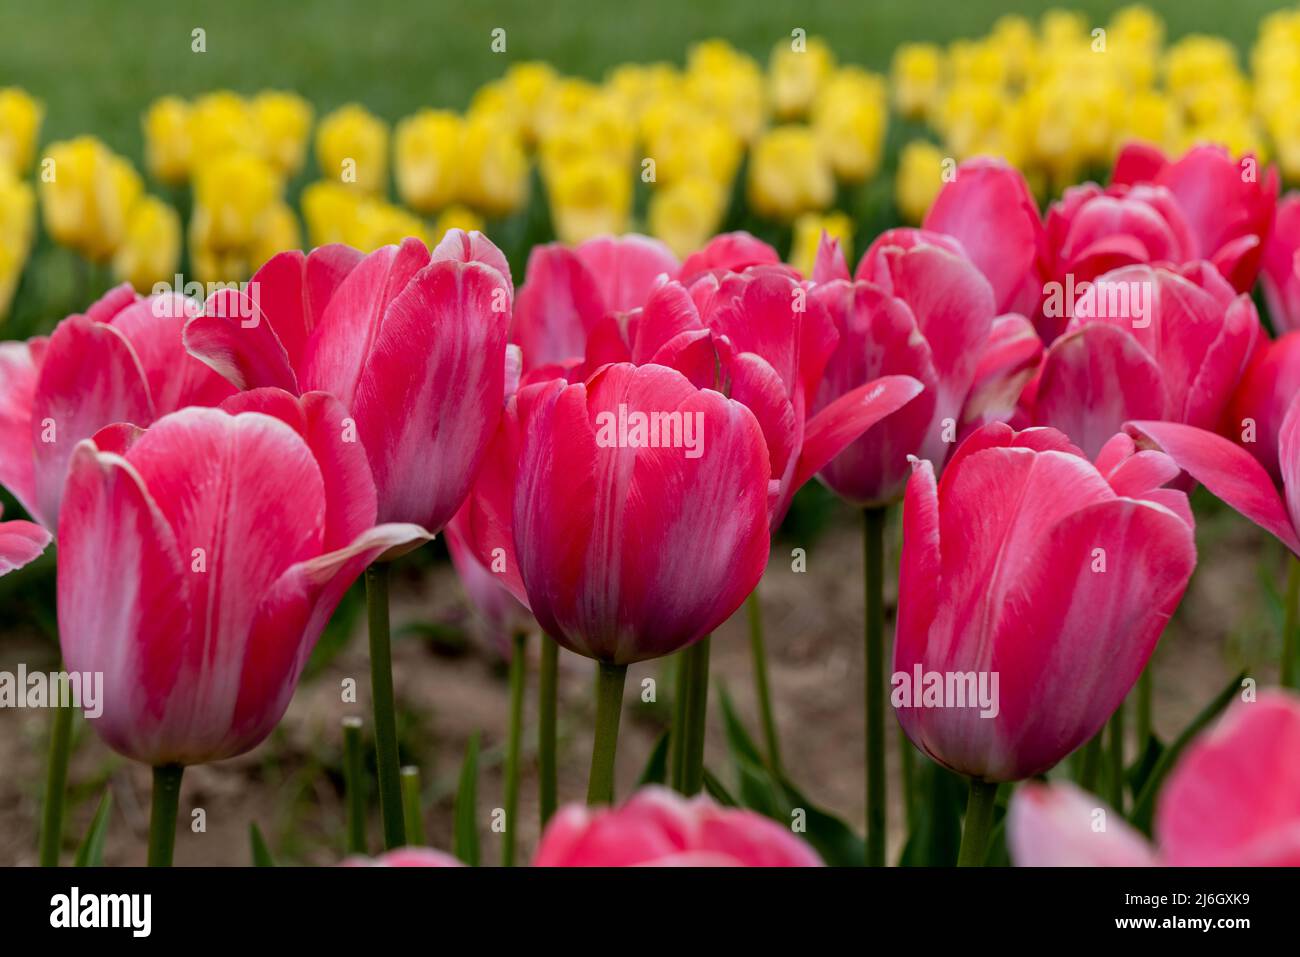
290	785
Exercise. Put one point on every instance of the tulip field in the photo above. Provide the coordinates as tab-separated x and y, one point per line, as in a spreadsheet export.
698	436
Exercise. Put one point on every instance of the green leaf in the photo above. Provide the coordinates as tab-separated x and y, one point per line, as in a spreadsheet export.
738	739
261	853
717	790
1139	772
91	851
1144	806
656	768
936	831
465	837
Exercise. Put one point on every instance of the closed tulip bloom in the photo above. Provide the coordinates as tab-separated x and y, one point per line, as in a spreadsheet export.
232	534
1228	204
609	546
1263	396
660	828
729	252
168	149
426	151
412	343
796	75
1146	343
17	227
589	197
1029	565
1280	274
923	310
283	121
123	361
151	250
20	126
352	148
789	174
494	170
86	204
1233	800
20	544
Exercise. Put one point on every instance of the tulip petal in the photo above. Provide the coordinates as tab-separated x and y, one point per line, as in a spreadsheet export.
839	424
1009	360
1227	470
155	327
20	364
473	247
626	268
90	378
1093	381
336	355
557	308
132	625
20	543
430	396
1060	825
234	338
1234	798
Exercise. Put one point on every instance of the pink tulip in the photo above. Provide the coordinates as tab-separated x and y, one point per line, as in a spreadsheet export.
123	361
231	534
660	828
918	308
1146	343
728	252
1280	272
1259	406
1227	205
566	292
405	857
1054	576
1233	800
608	521
20	544
504	615
761	338
412	343
989	210
1236	476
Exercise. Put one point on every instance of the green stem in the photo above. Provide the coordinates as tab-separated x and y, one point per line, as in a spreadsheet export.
1116	755
979	821
412	814
677	740
1290	670
56	780
907	761
547	701
353	785
162	816
761	688
518	667
1090	763
1143	702
381	691
697	707
873	549
609	708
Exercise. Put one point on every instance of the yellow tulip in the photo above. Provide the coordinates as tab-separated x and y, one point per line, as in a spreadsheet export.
588	198
1150	118
1061	28
683	143
808	230
456	217
330	210
493	168
1137	27
528	85
17	226
86	198
686	214
278	231
220	123
850	117
797	70
641	85
233	193
284	122
919	179
167	144
352	147
151	250
20	124
917	78
426	158
383	224
789	174
728	84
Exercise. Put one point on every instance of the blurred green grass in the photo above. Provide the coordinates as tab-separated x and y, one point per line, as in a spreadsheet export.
98	63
